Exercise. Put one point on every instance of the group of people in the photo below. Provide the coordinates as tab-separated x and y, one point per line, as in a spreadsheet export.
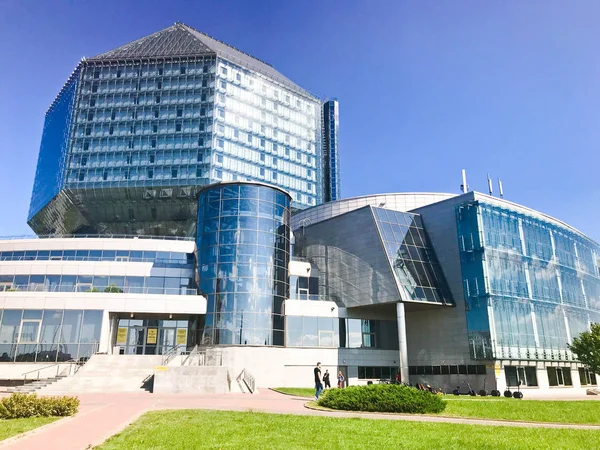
323	381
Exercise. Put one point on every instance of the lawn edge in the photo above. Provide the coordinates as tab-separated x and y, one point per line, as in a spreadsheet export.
315	407
16	437
285	393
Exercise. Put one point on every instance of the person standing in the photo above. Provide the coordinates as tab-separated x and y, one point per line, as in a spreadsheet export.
340	379
318	381
326	379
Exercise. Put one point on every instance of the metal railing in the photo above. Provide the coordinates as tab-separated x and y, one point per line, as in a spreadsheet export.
98	236
71	363
172	353
313	297
203	357
99	289
248	380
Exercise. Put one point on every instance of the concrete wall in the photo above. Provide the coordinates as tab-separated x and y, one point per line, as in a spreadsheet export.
192	380
293	367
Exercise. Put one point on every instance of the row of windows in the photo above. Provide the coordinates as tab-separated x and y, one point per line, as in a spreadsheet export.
377	373
82	283
452	369
142	114
98	255
148	84
135	174
144	70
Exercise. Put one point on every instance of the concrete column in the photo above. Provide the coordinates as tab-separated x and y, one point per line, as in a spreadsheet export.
402	345
104	344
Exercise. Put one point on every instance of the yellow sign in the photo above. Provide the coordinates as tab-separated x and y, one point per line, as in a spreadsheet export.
498	371
181	336
121	336
161	368
152	333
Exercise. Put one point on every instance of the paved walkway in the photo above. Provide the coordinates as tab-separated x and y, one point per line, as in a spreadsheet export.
102	415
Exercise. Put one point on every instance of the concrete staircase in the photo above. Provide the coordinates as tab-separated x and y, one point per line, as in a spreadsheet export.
109	373
36	385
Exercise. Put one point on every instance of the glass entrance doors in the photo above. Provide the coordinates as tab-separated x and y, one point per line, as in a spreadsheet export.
150	337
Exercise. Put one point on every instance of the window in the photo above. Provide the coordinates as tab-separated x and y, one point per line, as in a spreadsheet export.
262	143
152	158
586	377
220	128
220	143
218	174
238	77
223	84
274	176
219	158
154	128
309	173
178	126
160	70
156	113
84	161
86	146
92	103
88	131
81	176
224	70
275	161
559	376
198	173
236	134
262	157
105	175
262	172
182	70
110	130
96	75
126	174
157	99
202	111
173	173
159	85
113	115
200	142
249	139
128	159
221	112
179	112
119	73
150	173
95	87
274	147
204	82
377	373
130	144
153	143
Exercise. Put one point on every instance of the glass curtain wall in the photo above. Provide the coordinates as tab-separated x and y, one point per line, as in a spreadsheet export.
48	335
243	245
530	285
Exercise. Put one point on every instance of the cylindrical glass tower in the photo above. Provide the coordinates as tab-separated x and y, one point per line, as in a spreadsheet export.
243	242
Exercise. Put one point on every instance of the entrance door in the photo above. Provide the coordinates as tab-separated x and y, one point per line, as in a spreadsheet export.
30	331
167	339
136	340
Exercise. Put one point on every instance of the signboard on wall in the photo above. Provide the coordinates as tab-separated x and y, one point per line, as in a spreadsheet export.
152	334
181	336
121	336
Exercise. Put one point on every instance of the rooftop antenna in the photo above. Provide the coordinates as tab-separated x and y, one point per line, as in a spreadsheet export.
500	188
490	188
464	187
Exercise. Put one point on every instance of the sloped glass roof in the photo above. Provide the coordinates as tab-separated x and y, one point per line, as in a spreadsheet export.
411	257
183	40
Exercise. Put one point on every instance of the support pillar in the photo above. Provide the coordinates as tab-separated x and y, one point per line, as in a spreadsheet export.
402	344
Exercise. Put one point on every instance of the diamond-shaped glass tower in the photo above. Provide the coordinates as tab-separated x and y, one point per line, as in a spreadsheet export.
138	130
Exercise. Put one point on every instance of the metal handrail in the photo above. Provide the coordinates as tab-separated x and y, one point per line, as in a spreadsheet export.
190	354
100	289
170	354
248	380
101	236
70	362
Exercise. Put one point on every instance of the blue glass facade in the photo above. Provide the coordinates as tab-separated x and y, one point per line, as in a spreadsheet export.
139	130
243	254
531	284
54	149
331	156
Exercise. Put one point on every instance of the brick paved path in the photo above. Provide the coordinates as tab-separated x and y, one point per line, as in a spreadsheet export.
102	415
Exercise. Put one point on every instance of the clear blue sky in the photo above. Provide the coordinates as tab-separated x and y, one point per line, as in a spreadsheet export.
426	88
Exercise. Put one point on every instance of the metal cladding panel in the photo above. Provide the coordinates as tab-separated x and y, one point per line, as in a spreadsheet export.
353	265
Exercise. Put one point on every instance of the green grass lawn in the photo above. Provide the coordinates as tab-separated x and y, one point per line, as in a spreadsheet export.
12	427
580	412
240	430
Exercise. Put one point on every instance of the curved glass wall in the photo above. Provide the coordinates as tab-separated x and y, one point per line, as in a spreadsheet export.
243	254
531	285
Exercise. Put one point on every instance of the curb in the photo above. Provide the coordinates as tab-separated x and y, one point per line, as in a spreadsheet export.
452	419
26	434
